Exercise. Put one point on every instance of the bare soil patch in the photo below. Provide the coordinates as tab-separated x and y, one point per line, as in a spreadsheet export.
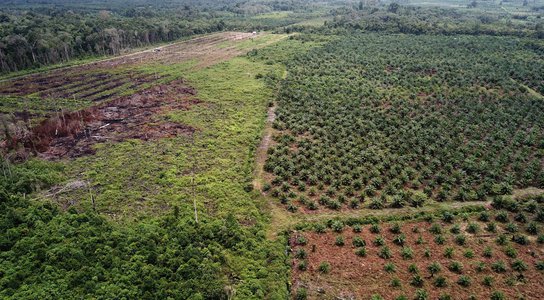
72	134
356	277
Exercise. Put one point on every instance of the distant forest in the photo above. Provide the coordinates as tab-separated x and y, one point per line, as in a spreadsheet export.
34	34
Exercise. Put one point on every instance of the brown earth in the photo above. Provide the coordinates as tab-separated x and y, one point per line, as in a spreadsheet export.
73	134
355	277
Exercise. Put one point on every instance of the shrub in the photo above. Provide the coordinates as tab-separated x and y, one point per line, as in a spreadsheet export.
395	228
460	239
519	265
379	241
540	239
376	297
301	254
412	268
324	267
484	216
434	268
339	241
361	251
302	294
497	295
501	240
401	297
520	239
448	252
400	239
421	295
491	227
464	281
539	265
420	240
444	297
469	253
416	280
532	228
502	216
435	229
337	226
358	242
385	253
488	281
301	240
407	253
440	281
456	267
511	252
480	266
389	267
447	217
303	265
375	228
455	229
439	240
473	228
521	218
498	266
427	253
395	282
357	228
511	227
488	252
320	228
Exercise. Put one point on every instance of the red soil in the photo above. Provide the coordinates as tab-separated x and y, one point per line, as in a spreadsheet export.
355	277
137	116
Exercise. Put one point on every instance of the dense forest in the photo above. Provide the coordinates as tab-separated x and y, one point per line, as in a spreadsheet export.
33	35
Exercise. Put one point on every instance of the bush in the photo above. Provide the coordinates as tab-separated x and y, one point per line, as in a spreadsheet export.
361	251
455	229
399	239
421	295
460	239
337	226
497	295
456	267
520	239
498	266
469	253
491	227
375	228
434	268
395	228
502	216
447	217
339	241
385	253
416	280
301	240
473	228
357	228
464	281
511	252
448	252
488	252
358	242
539	265
480	267
444	297
395	282
484	216
435	229
532	228
412	268
501	240
379	241
440	281
302	294
511	227
439	240
519	265
407	253
303	265
376	297
301	254
389	268
324	267
488	281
